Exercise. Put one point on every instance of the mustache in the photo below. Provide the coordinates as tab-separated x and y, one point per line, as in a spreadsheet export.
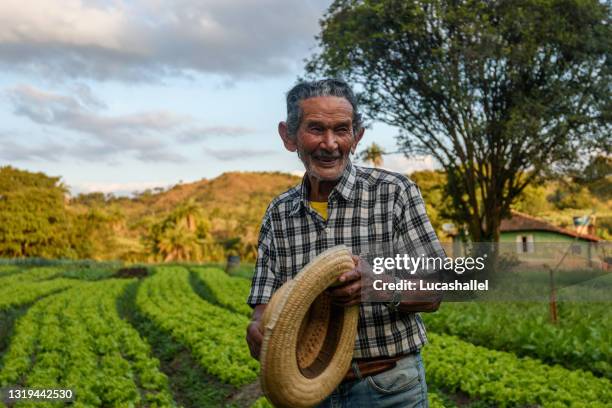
322	154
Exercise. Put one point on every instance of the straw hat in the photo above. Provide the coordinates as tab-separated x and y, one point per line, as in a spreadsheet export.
308	342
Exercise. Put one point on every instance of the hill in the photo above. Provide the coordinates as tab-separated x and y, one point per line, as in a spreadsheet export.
209	219
229	208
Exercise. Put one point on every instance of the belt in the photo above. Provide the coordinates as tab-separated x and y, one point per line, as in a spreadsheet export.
364	367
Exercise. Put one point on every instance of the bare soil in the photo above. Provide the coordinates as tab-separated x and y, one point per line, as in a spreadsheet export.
132	272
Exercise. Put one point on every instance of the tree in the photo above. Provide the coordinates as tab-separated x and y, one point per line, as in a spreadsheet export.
498	92
570	195
373	154
182	235
187	213
597	177
533	200
93	233
437	203
95	199
178	244
33	218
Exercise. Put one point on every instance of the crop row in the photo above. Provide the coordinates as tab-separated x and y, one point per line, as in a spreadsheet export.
26	286
20	285
582	338
30	274
6	270
214	335
76	339
90	271
505	380
227	291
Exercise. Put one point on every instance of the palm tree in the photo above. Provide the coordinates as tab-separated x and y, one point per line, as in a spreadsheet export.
373	154
176	237
187	213
178	244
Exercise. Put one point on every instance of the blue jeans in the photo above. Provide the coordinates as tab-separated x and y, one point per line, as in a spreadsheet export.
403	387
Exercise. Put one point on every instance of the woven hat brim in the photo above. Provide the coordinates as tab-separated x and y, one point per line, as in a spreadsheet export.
283	382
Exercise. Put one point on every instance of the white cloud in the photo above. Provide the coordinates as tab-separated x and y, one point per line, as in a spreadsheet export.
238	153
116	188
68	22
12	151
148	136
198	134
143	40
401	164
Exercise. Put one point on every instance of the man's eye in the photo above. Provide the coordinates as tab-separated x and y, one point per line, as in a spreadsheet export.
316	129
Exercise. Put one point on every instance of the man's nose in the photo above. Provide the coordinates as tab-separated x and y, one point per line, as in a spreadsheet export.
330	141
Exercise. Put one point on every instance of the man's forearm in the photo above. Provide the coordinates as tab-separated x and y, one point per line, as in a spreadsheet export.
254	335
258	312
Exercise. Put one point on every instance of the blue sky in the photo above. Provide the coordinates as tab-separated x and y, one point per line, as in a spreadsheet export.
120	96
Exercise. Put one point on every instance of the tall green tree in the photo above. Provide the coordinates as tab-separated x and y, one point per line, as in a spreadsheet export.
499	92
33	218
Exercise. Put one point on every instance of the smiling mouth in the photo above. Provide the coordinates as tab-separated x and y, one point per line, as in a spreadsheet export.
327	161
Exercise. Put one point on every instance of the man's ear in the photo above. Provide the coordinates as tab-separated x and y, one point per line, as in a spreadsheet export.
358	137
289	142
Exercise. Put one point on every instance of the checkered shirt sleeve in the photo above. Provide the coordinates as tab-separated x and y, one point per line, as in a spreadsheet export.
264	282
414	233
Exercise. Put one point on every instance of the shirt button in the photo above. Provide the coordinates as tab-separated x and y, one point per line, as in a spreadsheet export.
326	230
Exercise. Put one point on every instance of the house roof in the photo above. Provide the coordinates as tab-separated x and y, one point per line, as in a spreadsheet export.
523	222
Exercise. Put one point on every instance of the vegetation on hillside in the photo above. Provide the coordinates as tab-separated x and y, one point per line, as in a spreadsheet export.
211	219
205	220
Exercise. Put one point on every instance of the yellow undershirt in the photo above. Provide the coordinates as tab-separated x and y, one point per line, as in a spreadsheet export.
320	207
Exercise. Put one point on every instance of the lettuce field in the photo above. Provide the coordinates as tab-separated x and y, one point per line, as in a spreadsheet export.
169	336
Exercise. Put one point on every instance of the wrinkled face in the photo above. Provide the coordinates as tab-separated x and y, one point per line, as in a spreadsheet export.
325	137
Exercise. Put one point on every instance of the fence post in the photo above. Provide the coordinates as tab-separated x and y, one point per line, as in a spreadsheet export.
553	297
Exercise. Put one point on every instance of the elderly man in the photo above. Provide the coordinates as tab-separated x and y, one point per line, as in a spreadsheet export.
340	203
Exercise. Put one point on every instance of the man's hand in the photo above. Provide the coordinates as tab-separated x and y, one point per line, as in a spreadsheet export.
348	292
359	279
255	333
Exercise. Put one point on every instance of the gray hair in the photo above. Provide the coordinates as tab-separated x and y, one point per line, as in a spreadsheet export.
324	87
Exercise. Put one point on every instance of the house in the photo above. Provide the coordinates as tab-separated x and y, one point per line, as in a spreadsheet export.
524	229
535	241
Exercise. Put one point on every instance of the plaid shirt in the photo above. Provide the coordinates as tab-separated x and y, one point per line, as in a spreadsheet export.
366	206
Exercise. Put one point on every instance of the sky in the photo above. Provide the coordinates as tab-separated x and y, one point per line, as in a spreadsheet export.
120	96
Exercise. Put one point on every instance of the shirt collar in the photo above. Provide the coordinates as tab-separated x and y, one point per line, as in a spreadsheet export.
345	188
